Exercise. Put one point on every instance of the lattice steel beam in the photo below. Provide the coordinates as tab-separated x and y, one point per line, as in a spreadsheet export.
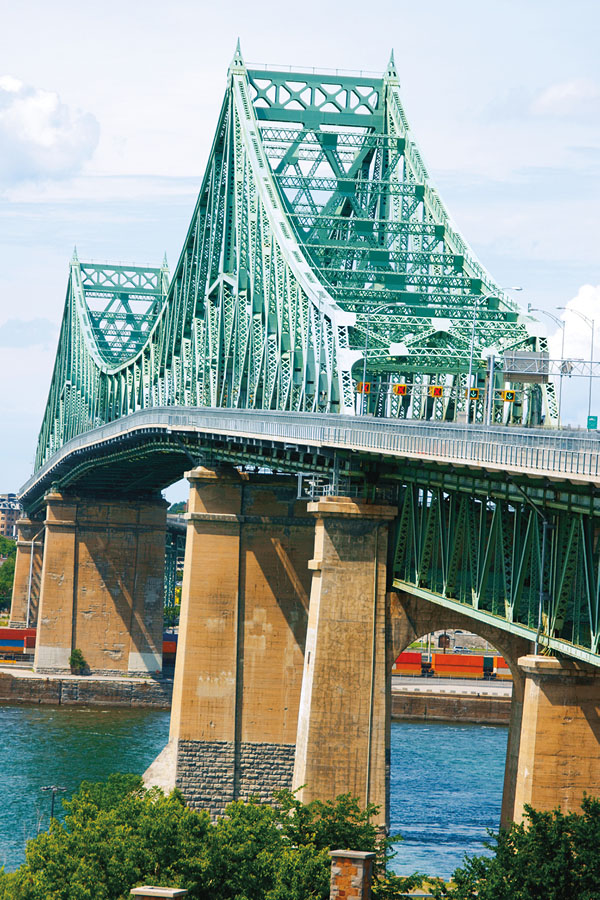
316	231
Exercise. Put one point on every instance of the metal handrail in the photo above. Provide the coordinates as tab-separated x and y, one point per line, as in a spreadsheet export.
539	451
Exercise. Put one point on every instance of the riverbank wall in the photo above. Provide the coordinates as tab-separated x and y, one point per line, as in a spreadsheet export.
446	707
72	690
27	687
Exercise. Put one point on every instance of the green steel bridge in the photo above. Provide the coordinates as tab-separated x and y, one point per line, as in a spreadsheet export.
326	319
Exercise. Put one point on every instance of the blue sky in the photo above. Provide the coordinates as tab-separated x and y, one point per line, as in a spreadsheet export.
107	113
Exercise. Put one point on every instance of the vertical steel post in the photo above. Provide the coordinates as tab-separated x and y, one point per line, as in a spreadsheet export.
362	406
546	528
591	367
489	416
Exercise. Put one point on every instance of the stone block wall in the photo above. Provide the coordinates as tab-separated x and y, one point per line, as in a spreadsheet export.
211	774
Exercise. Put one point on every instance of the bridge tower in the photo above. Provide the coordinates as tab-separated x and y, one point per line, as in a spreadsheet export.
321	296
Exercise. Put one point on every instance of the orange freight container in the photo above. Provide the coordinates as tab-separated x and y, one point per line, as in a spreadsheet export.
458	665
15	641
502	668
408	663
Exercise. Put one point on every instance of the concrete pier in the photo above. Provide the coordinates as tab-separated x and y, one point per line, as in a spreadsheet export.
242	633
559	752
343	723
102	585
28	571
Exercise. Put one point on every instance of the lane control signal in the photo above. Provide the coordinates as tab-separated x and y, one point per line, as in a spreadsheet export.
509	396
399	389
363	387
436	390
472	393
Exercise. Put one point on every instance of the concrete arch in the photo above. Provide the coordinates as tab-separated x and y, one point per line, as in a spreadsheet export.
409	617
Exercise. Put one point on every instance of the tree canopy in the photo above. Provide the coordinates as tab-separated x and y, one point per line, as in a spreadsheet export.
549	856
8	548
117	835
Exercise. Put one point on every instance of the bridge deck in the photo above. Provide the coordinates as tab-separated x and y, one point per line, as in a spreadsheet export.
541	453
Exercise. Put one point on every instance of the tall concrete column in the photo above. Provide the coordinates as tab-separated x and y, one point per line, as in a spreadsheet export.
559	751
344	721
102	585
241	639
28	569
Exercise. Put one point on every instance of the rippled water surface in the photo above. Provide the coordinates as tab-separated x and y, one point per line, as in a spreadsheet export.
446	779
446	790
43	745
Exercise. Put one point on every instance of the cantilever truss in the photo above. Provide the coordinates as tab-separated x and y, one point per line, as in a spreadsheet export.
462	547
317	240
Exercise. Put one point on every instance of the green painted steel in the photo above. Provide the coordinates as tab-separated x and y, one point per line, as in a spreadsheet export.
472	551
174	555
317	240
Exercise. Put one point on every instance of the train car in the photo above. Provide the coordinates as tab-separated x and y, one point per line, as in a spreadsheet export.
169	647
16	642
408	663
502	669
453	665
457	665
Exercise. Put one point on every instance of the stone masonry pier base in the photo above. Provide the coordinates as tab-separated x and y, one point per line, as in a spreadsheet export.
241	640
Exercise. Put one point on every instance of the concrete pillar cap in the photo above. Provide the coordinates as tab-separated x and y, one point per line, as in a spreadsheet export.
352	854
343	507
552	665
149	891
218	473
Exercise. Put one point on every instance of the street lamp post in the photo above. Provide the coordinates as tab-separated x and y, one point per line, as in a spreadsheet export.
55	788
561	324
477	306
591	323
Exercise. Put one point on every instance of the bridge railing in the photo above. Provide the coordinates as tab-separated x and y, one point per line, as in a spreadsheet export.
519	449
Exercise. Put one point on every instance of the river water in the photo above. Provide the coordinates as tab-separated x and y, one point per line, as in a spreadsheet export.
446	785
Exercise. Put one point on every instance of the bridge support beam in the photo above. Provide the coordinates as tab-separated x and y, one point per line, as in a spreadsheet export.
559	751
102	584
344	721
241	640
28	568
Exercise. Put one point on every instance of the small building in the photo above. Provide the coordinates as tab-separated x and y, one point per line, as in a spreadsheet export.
10	512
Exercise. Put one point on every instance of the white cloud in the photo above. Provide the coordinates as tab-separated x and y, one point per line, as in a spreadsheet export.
41	137
568	98
578	333
577	345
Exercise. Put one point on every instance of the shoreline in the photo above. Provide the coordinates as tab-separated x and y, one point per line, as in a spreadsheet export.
439	703
24	687
450	707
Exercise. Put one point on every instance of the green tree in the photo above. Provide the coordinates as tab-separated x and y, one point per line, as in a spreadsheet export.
7	575
117	835
550	856
171	615
8	547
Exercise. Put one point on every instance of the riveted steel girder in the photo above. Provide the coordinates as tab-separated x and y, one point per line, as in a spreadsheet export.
317	242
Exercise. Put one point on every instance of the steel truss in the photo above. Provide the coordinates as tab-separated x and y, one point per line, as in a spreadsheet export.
316	233
485	555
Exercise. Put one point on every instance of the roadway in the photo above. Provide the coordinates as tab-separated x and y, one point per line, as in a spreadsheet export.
571	456
474	687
